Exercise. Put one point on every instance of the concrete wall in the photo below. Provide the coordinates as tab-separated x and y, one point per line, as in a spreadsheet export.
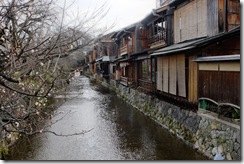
203	132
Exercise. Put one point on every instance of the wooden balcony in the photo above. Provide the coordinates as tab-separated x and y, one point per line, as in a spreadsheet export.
126	81
128	49
158	39
146	86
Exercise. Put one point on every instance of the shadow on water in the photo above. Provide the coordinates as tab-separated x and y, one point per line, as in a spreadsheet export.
120	132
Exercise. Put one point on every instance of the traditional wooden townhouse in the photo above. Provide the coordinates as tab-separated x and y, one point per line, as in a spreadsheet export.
125	41
183	51
204	60
153	32
135	44
98	54
91	62
85	64
104	51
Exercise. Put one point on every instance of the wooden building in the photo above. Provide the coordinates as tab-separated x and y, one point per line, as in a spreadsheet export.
219	69
200	34
91	61
150	35
125	40
154	32
182	51
105	50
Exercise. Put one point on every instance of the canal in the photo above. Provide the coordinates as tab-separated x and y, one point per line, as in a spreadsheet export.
117	131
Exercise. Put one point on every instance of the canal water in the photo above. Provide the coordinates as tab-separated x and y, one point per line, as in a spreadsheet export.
117	131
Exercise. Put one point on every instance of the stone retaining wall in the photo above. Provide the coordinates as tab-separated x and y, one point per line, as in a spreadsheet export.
205	133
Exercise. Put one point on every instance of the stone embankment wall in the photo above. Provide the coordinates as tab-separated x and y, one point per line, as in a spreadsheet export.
205	133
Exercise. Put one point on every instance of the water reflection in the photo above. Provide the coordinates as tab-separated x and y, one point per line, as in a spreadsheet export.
119	131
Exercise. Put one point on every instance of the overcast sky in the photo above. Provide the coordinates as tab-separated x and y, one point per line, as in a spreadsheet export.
121	12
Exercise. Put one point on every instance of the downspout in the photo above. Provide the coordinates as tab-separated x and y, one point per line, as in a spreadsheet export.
127	31
118	35
137	43
155	14
131	37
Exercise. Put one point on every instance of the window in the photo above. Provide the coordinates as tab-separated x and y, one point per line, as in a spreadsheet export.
146	70
129	41
158	27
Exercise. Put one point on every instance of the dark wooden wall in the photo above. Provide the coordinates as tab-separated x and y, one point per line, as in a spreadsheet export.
225	47
220	86
170	25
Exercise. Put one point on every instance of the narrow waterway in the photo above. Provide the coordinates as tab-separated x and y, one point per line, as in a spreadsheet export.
118	131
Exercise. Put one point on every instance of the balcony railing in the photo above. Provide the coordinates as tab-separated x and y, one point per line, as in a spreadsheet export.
159	38
146	86
128	49
126	81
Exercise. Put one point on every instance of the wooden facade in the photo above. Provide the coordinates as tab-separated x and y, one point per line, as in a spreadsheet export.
193	79
178	75
190	21
223	15
156	30
224	47
159	54
220	82
147	75
127	73
125	40
155	36
104	49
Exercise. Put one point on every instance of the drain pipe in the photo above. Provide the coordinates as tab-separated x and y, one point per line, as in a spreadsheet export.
128	32
155	14
123	31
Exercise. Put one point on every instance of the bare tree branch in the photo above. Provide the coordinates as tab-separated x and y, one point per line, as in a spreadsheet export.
36	41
